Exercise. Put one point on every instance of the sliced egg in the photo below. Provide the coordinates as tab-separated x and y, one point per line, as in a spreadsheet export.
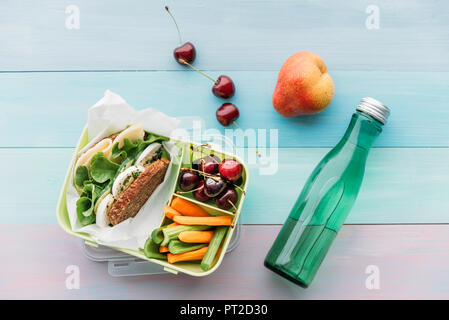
133	133
148	155
124	179
102	219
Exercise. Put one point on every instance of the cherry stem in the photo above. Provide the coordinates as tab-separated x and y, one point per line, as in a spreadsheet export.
188	64
216	178
177	28
233	205
244	135
182	192
240	188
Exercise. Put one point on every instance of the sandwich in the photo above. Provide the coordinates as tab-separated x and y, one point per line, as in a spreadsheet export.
116	175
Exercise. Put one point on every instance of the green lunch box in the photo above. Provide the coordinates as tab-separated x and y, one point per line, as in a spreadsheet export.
190	268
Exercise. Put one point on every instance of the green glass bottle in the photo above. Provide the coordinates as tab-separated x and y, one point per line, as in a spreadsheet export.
326	198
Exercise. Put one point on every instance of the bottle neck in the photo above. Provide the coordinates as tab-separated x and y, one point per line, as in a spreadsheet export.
362	131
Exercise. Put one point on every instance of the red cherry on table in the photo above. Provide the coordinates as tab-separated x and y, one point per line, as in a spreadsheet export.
185	53
223	87
230	169
227	114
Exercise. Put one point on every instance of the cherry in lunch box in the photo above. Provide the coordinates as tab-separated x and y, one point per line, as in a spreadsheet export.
199	193
230	169
213	186
227	199
188	180
186	51
209	164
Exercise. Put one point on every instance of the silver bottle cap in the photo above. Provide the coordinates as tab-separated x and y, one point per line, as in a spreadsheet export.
375	109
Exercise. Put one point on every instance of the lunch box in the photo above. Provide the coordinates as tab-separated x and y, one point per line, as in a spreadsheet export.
190	268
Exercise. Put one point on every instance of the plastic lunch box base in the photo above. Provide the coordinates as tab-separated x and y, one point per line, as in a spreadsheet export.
121	264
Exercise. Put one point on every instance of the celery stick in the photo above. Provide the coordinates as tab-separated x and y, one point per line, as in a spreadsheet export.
214	245
157	235
172	233
151	250
177	246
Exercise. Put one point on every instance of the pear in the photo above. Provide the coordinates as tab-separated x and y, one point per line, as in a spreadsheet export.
304	86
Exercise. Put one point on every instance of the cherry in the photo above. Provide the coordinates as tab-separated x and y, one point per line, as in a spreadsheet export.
223	87
214	186
188	180
199	193
230	169
209	164
227	199
227	114
185	52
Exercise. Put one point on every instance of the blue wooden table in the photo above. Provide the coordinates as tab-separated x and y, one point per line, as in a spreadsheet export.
54	66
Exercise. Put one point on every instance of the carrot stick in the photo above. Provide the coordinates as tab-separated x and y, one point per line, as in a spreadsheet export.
187	256
174	224
170	212
204	221
187	208
196	236
163	249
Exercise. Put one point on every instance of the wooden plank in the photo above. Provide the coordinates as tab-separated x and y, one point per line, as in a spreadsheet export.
50	109
230	35
410	260
400	186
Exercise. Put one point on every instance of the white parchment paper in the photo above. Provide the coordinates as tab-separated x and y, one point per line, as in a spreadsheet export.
107	116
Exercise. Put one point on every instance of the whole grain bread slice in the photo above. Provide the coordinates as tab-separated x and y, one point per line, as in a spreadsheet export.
135	196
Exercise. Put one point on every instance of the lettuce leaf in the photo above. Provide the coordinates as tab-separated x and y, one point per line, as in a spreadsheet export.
81	175
101	169
85	204
127	151
152	137
84	207
84	211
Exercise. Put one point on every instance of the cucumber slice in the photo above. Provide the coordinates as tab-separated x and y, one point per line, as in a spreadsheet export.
101	196
125	165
